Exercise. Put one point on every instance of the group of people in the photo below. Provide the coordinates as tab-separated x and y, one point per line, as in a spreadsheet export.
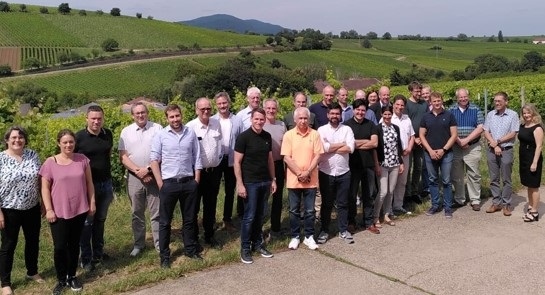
377	152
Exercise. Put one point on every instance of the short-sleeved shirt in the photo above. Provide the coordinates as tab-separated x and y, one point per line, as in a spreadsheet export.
245	116
320	110
405	128
98	149
467	119
362	130
256	148
136	141
210	141
19	188
68	186
438	128
277	131
301	148
416	111
498	125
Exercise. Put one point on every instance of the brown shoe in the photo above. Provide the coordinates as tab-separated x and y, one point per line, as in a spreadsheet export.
476	207
507	210
373	229
493	208
352	228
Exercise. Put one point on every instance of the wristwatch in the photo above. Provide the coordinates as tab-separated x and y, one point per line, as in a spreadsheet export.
445	150
149	169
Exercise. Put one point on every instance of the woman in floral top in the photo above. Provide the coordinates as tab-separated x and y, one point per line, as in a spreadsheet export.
389	153
20	205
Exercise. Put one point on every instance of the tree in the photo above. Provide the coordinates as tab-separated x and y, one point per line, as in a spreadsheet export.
387	36
491	39
115	11
500	36
532	60
138	15
109	45
366	43
150	17
4	7
372	36
64	8
269	40
462	37
278	40
23	8
64	57
82	12
44	10
32	64
275	63
100	12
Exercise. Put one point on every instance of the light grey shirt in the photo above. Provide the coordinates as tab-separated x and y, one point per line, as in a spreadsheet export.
136	141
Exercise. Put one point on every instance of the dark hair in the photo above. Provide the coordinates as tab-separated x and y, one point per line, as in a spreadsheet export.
64	132
95	108
21	130
414	85
334	106
172	107
400	97
360	102
387	108
503	94
258	110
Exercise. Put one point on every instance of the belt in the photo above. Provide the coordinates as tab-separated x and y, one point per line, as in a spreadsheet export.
474	141
179	179
209	169
503	148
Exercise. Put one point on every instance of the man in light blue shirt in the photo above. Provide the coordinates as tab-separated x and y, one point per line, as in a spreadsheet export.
176	165
253	96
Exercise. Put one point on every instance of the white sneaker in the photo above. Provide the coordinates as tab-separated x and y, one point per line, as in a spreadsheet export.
294	243
311	244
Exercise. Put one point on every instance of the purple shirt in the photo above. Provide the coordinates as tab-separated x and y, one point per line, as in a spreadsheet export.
68	186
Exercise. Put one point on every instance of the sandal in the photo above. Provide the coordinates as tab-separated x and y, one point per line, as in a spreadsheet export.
7	290
389	222
36	278
377	224
531	216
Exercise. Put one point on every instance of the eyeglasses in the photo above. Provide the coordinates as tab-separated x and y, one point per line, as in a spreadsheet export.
205	109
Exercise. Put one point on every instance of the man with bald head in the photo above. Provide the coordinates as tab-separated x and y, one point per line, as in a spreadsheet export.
383	100
320	108
208	131
299	101
253	96
369	115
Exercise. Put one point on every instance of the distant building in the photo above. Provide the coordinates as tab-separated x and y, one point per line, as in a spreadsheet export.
126	107
350	85
539	41
74	112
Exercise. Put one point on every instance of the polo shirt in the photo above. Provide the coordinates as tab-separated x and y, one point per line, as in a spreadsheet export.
301	148
255	148
320	110
438	128
364	130
467	119
499	125
136	141
277	131
98	149
416	111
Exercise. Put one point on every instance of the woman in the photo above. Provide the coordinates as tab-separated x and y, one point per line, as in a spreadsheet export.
372	97
68	196
20	205
530	158
390	157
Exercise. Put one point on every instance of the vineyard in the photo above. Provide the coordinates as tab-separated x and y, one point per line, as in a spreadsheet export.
46	55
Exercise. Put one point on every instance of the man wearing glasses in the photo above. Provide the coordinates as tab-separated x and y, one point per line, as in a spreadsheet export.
208	131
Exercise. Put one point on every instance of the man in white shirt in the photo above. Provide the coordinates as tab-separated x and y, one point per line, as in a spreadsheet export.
208	131
334	173
253	96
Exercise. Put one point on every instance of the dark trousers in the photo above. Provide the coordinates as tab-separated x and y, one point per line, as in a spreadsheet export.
364	177
29	220
251	229
334	188
229	185
208	190
92	237
276	203
66	235
183	190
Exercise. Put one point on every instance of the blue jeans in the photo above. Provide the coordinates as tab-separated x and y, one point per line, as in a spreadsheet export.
307	196
433	167
251	228
93	230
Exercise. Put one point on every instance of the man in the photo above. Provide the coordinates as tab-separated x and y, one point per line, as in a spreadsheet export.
500	130
96	142
416	108
320	108
208	131
369	115
342	99
176	166
467	151
363	163
301	148
134	153
334	174
231	127
276	129
254	170
438	134
406	132
384	100
425	95
253	96
299	101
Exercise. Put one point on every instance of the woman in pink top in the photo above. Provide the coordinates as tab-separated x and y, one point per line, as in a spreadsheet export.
68	196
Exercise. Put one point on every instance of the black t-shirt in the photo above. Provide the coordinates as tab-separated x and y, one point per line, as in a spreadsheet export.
98	149
362	158
256	148
438	128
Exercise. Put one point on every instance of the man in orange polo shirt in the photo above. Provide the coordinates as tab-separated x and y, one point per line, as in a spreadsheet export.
301	148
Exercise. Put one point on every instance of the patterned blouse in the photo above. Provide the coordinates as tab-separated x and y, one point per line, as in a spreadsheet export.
391	152
19	181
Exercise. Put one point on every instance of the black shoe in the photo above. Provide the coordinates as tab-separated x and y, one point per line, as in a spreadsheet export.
165	264
199	248
416	199
246	257
59	288
456	205
87	266
213	243
74	284
264	252
196	256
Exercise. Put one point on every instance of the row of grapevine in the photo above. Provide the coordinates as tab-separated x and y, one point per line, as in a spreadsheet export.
46	55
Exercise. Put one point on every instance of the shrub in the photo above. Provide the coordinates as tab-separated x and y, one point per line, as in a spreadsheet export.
182	47
110	45
138	15
115	11
44	10
23	8
82	12
5	70
4	7
64	8
100	12
150	17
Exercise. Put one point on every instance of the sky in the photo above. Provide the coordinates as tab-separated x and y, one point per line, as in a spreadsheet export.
436	18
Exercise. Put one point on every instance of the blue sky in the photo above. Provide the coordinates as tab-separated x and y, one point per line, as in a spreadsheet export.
425	17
